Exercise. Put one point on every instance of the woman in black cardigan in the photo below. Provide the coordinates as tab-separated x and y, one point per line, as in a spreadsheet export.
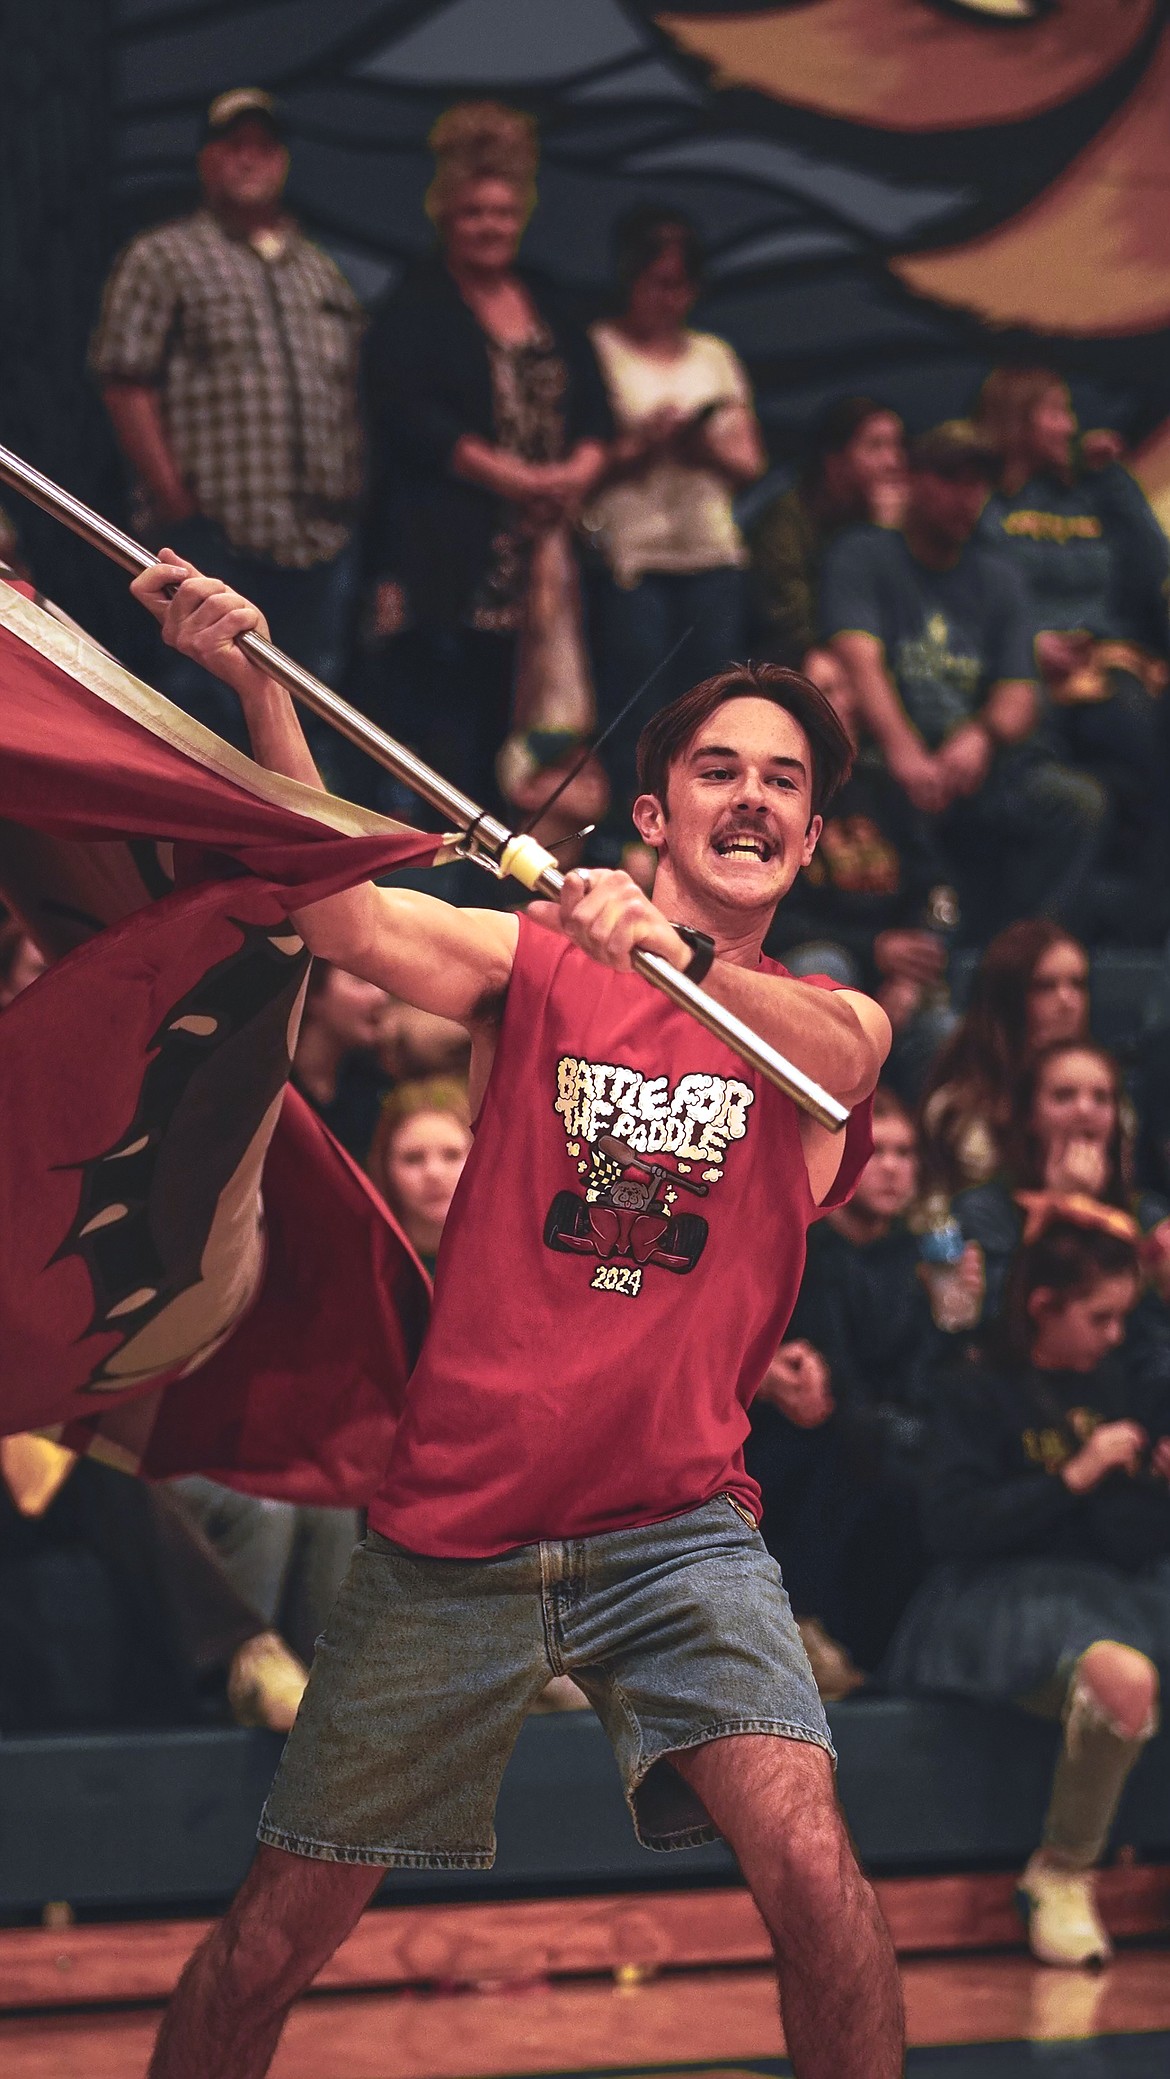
1046	1501
488	419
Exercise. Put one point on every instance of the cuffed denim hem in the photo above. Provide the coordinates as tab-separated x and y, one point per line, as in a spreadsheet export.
703	1836
378	1858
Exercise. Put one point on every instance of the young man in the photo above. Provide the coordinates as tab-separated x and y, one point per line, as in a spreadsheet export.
567	1491
934	632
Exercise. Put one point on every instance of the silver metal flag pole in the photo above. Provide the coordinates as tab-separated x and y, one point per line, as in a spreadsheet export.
487	841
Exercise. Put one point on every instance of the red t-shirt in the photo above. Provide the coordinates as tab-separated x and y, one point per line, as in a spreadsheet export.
619	1263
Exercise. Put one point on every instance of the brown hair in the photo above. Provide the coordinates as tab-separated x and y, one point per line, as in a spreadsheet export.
1067	1259
978	1070
670	732
481	140
888	1105
1025	1154
1006	403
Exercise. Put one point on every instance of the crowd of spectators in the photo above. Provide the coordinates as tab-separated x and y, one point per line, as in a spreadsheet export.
492	522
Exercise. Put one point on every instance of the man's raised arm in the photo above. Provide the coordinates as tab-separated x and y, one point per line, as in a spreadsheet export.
454	962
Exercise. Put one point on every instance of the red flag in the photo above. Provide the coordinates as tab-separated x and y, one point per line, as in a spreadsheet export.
154	1301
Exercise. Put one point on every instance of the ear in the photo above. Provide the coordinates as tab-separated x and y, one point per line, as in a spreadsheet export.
811	836
650	821
1041	1301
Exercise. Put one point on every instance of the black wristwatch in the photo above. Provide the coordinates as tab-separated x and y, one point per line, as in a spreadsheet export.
702	947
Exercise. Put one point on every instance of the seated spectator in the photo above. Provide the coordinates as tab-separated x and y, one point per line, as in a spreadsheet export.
1046	1503
488	419
672	555
114	1609
854	472
837	1423
335	1064
1096	565
1030	989
934	633
1069	1132
422	1141
873	909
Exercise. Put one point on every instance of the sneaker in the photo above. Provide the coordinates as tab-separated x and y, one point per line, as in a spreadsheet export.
265	1683
834	1672
1059	1909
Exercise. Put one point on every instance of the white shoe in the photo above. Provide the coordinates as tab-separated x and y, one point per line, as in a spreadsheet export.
1059	1909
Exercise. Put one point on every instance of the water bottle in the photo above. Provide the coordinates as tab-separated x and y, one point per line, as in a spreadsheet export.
940	1250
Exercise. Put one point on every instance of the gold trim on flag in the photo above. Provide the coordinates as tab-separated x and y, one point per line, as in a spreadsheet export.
63	645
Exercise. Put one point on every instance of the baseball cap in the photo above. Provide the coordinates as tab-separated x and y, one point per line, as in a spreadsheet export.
956	448
238	102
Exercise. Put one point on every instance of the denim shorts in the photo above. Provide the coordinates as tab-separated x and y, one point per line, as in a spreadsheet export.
679	1633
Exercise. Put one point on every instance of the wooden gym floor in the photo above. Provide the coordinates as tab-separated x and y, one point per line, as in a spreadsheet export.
635	1984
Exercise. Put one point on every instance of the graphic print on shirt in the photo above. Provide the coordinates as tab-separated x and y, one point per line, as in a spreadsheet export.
640	1148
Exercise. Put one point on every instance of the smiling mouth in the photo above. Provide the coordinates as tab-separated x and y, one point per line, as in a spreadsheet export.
743	844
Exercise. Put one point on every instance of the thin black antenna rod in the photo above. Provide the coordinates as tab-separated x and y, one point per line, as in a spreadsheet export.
582	761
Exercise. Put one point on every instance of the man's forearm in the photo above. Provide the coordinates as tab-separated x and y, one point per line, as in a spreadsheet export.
137	420
818	1030
276	736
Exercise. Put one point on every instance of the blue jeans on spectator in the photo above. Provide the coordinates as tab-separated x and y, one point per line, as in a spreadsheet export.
633	628
309	612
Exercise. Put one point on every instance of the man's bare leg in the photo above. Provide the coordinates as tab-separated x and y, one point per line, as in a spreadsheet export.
232	2001
775	1803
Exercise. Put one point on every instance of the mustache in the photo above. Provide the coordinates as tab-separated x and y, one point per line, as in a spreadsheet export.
748	826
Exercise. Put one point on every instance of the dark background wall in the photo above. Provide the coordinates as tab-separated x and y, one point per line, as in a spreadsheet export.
819	187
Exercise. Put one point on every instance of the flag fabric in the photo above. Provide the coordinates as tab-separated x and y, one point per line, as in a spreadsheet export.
193	1275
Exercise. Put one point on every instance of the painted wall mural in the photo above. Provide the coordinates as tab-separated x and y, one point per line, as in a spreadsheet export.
893	191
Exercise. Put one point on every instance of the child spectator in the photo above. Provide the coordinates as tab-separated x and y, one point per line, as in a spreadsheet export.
1046	1503
422	1141
1030	989
934	632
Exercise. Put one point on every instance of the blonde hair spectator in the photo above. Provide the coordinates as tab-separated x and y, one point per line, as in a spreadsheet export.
482	140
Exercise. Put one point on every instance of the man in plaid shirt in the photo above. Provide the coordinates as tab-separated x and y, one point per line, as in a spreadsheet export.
227	353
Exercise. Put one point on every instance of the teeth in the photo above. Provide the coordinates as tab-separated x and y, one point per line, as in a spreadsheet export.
750	847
